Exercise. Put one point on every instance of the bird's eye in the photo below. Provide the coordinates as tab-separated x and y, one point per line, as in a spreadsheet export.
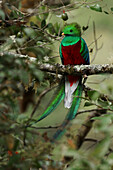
71	30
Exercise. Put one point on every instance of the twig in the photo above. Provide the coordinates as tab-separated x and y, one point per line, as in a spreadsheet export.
53	57
33	112
100	81
110	151
95	40
86	111
39	99
86	27
90	140
35	12
24	136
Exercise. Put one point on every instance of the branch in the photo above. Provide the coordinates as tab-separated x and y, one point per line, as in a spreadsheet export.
78	69
68	69
96	45
39	99
86	127
86	111
45	127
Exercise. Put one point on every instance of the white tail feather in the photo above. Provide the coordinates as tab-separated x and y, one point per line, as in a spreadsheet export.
69	90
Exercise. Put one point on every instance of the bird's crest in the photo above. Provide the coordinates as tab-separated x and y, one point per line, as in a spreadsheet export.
72	29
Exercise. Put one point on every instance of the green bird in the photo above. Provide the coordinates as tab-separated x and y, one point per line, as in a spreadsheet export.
73	51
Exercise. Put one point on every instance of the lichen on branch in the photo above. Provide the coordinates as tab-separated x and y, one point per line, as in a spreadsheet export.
77	70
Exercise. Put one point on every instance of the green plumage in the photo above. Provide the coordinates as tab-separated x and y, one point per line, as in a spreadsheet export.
73	29
76	102
71	114
58	97
70	40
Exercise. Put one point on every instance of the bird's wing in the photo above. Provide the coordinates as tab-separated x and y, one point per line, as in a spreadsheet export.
60	51
84	51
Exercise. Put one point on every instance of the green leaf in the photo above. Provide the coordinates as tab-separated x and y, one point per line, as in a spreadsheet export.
38	74
20	41
45	15
96	7
30	32
2	14
111	107
24	76
84	28
96	118
2	74
103	124
51	28
33	24
57	27
88	104
106	119
93	95
111	8
14	14
106	12
22	118
102	148
103	103
43	23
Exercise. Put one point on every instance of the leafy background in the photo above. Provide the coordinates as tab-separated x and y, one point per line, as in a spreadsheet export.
27	33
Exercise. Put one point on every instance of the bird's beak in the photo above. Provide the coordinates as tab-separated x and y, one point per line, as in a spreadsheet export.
63	33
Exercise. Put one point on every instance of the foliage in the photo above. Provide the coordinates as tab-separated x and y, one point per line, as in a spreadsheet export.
25	40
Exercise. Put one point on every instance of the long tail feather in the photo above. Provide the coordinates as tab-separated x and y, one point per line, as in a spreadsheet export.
55	102
71	114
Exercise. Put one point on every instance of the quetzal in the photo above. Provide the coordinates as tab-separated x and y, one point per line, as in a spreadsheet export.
73	51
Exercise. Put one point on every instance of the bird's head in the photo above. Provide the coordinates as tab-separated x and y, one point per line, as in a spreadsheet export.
73	29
